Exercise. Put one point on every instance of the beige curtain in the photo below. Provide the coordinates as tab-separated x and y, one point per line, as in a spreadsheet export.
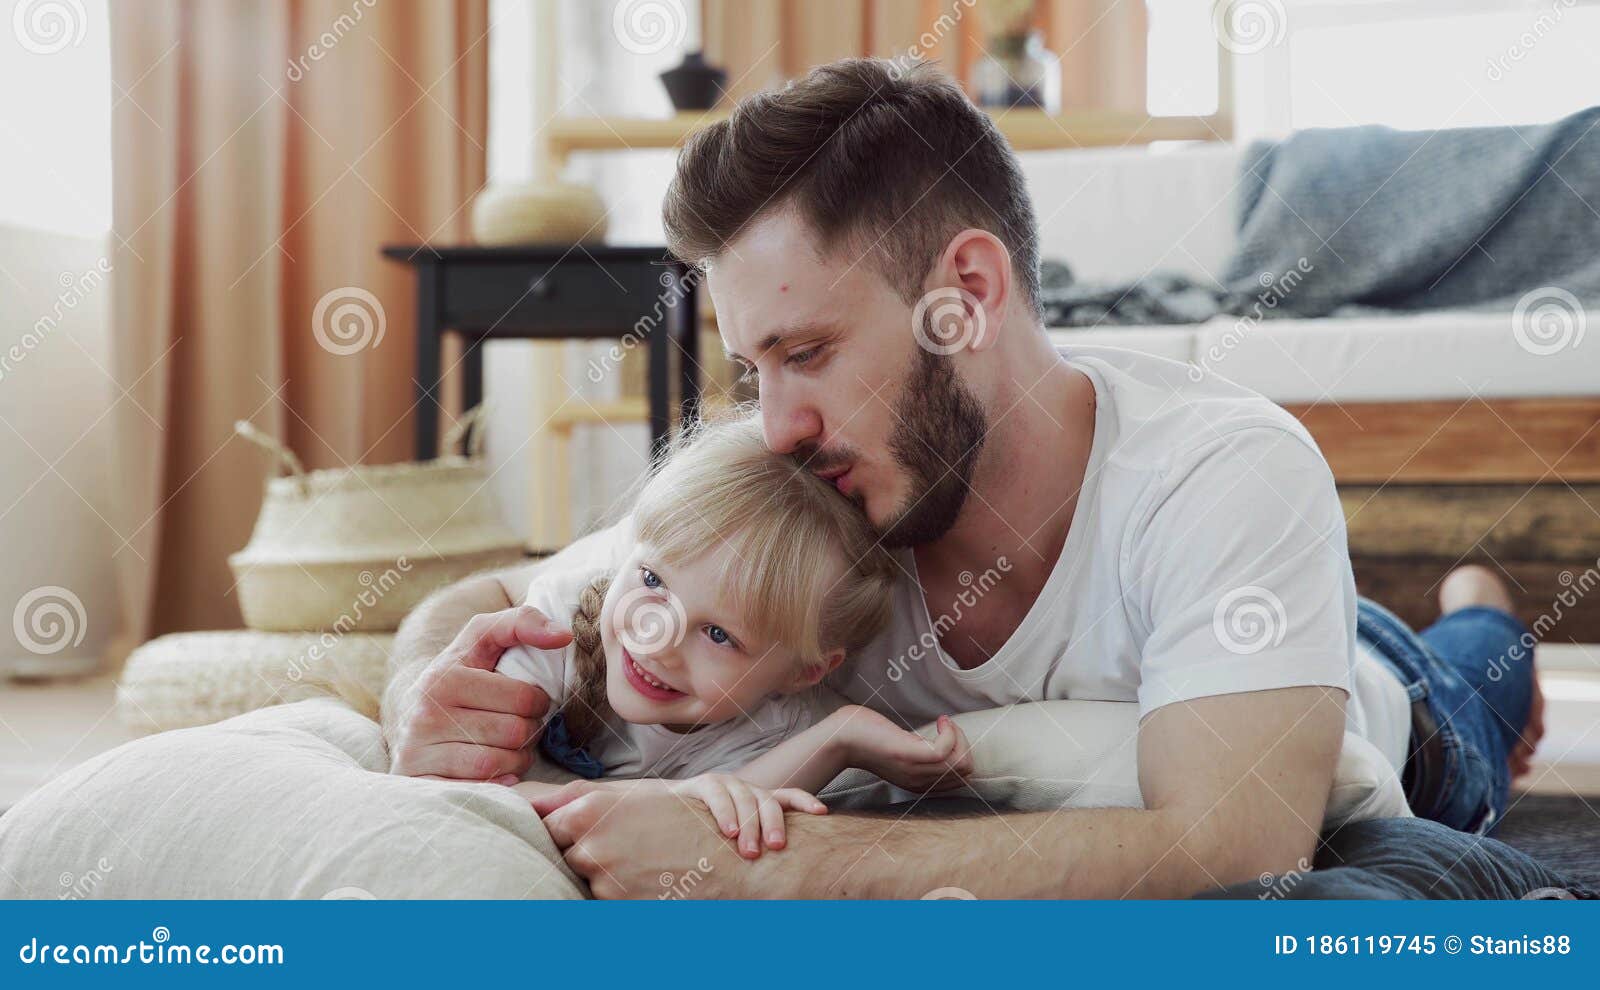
764	42
263	153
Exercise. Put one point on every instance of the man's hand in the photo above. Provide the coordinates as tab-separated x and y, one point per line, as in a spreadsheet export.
750	815
461	719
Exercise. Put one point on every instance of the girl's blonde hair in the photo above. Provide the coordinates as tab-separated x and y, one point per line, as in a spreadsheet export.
805	568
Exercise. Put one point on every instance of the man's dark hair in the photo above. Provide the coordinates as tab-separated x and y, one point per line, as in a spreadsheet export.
886	162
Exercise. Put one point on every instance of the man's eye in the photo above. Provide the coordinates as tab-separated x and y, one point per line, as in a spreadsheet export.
719	636
649	578
802	358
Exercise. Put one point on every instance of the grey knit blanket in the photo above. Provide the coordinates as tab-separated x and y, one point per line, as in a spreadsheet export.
1340	221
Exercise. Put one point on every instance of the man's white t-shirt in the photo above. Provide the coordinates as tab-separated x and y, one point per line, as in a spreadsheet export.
1207	555
624	748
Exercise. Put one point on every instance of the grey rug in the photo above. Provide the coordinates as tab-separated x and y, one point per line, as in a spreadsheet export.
1563	833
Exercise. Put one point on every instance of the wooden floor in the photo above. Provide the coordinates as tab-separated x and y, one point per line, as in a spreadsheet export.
46	728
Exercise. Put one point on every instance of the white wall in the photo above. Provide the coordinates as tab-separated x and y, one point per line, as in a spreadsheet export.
55	487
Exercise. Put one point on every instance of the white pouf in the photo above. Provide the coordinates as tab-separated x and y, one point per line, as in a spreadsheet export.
188	679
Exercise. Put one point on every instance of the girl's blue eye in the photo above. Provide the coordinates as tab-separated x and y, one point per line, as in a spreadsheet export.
649	578
719	635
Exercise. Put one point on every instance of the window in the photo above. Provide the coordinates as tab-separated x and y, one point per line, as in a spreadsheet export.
55	141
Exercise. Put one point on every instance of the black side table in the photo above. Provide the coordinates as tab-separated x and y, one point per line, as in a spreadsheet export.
638	295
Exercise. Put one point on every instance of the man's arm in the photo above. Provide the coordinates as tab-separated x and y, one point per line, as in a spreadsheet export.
1234	786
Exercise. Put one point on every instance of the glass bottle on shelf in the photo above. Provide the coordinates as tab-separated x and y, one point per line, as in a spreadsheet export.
1018	71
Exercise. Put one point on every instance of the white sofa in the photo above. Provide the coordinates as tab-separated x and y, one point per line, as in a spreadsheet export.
1117	214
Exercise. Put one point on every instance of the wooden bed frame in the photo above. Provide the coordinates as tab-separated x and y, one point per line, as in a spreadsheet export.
1510	483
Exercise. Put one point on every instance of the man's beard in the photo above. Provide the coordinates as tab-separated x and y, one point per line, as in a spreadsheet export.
939	432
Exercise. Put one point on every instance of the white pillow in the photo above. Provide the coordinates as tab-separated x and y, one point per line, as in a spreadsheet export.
292	802
286	802
1083	754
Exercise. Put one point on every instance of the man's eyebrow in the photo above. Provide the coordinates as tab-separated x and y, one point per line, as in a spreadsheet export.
777	337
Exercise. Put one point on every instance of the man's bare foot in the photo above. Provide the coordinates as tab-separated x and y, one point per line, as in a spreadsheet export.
1471	585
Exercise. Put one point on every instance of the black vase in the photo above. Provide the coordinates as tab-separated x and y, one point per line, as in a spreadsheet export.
693	84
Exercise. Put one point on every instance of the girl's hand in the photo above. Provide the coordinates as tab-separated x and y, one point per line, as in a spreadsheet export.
902	757
750	815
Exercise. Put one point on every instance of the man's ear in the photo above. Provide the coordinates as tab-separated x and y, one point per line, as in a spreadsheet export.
811	676
977	265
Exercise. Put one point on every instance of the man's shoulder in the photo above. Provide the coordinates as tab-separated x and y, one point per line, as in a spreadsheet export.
1166	416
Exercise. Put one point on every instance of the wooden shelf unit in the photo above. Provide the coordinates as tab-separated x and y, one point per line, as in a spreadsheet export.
1027	130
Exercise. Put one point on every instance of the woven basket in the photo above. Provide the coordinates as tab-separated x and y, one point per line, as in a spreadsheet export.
355	549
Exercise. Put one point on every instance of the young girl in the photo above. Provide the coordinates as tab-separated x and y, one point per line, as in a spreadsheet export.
699	657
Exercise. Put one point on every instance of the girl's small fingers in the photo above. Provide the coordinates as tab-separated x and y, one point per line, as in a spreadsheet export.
797	800
773	832
744	803
720	805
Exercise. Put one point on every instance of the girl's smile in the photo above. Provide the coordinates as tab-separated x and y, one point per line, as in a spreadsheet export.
646	683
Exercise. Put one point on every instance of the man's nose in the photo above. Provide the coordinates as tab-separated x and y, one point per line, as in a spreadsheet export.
786	422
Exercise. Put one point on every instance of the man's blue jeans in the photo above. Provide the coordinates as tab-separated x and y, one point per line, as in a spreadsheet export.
1471	673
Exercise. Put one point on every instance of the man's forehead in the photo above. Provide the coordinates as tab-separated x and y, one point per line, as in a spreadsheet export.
771	282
